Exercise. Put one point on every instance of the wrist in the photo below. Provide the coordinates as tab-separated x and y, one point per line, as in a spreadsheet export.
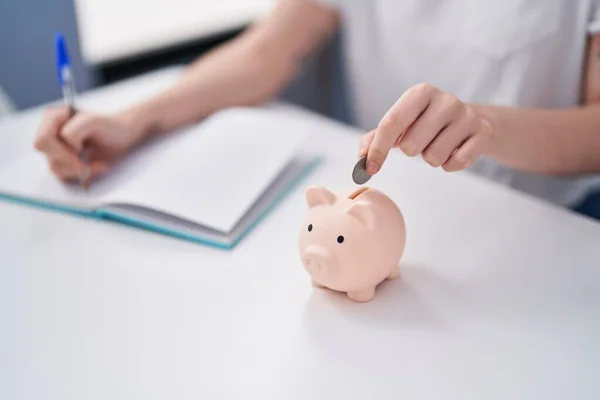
138	122
491	115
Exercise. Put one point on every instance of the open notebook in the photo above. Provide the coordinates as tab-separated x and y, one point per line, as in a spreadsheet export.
210	183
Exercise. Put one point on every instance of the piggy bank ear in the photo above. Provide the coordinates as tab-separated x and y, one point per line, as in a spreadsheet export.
317	195
363	211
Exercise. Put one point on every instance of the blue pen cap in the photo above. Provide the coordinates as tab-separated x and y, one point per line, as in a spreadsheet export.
62	56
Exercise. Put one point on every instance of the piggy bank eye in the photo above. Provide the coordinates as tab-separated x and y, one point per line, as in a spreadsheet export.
310	227
340	239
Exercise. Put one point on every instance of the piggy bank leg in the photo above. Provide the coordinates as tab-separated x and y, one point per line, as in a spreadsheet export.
362	296
395	273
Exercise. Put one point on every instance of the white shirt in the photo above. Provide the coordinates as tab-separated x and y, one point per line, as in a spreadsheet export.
527	53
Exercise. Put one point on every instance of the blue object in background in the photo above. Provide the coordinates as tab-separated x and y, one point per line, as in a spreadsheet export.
590	206
62	58
64	72
27	66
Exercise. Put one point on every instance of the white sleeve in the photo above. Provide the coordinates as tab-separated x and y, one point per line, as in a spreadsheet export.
594	21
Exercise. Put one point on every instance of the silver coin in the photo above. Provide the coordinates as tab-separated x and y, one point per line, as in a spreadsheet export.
359	173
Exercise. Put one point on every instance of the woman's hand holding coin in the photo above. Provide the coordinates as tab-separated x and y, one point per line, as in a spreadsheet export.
437	125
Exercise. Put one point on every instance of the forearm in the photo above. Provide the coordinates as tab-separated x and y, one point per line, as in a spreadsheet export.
248	70
554	142
230	76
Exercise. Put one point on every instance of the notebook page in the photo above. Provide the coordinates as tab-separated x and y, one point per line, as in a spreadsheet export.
28	176
211	173
283	182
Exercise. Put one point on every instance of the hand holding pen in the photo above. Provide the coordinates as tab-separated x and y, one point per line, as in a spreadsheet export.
65	132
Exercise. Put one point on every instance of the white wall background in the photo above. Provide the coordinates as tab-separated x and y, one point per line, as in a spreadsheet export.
113	29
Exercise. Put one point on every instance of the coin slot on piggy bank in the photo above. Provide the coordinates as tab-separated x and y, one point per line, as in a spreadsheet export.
357	192
351	242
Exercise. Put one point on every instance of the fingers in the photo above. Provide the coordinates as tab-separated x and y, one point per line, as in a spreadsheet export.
52	122
472	149
395	122
67	173
433	123
461	158
365	143
80	128
443	109
61	158
98	168
61	138
447	141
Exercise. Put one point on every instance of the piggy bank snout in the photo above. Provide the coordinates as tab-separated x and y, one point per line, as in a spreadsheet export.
318	260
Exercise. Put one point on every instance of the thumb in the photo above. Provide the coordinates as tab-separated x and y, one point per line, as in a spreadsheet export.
383	140
79	128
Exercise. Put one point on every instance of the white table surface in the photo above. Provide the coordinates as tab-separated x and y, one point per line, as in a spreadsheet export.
499	298
110	30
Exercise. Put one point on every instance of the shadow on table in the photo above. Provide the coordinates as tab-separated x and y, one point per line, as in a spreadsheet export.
397	303
401	310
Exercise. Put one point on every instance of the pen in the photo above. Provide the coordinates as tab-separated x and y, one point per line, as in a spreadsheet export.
67	84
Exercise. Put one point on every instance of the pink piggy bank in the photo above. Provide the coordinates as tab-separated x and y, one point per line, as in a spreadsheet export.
352	243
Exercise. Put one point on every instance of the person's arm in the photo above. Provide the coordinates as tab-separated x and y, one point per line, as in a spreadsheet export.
552	141
248	70
451	134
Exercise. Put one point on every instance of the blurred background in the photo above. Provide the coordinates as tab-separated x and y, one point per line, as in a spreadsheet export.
110	40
